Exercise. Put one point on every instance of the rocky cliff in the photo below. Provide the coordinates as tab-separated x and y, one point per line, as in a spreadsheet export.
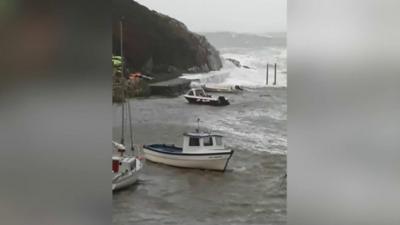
158	44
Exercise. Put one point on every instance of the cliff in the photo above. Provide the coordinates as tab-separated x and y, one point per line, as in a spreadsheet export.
158	44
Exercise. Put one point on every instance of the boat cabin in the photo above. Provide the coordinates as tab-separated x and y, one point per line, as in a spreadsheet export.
119	148
193	142
197	92
123	164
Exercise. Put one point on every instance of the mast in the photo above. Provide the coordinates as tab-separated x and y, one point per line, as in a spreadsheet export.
123	92
122	79
130	125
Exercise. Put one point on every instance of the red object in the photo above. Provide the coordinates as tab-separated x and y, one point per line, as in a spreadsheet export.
133	76
115	166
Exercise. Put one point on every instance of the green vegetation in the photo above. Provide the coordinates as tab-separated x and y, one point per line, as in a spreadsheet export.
126	88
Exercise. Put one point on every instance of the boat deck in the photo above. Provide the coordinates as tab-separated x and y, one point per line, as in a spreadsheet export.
165	148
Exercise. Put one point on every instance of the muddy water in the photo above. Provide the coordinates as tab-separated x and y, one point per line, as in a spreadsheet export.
251	191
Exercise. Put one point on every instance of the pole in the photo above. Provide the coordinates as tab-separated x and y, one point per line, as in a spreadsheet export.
122	83
130	125
267	75
122	46
275	74
122	116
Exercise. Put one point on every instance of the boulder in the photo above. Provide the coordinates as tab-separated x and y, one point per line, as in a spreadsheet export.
235	62
157	42
148	66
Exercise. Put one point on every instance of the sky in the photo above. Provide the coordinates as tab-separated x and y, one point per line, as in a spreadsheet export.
243	16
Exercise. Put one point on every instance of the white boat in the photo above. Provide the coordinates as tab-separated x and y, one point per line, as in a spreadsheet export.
222	89
199	96
125	168
200	150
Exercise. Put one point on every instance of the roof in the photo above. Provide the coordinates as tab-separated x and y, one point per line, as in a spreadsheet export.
196	88
116	158
200	134
124	159
118	145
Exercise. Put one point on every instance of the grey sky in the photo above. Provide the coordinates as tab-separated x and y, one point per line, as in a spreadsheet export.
250	16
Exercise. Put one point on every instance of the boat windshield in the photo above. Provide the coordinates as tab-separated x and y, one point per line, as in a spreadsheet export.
218	140
194	141
207	141
133	165
199	93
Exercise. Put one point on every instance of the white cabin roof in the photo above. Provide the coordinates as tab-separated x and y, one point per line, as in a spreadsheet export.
197	88
200	134
118	145
125	159
118	158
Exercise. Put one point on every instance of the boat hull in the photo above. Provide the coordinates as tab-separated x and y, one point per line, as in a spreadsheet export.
128	178
208	161
222	89
125	181
207	101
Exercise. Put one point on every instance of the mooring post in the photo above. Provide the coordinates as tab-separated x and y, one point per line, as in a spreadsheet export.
267	75
275	74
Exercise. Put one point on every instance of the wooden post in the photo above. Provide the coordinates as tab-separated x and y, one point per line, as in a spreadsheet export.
275	74
267	75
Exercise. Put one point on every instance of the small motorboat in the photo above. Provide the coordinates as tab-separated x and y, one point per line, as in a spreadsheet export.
125	169
200	150
199	96
222	89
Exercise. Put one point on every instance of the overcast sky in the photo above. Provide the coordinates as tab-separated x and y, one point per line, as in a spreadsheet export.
249	16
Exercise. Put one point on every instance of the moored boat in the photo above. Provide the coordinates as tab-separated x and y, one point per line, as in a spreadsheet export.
199	96
125	168
222	89
200	150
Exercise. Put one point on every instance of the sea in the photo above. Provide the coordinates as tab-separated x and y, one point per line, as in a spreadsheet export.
254	125
253	52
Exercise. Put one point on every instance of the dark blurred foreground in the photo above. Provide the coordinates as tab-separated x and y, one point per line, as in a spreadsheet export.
55	113
343	101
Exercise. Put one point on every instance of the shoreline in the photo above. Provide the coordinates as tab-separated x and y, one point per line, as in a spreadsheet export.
179	91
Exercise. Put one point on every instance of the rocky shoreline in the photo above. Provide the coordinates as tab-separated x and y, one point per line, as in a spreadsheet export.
158	45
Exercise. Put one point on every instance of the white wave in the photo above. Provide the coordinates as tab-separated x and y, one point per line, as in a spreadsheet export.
255	59
241	131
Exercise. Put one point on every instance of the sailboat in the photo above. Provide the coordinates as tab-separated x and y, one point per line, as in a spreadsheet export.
125	167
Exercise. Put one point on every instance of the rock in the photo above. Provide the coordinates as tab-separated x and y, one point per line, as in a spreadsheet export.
235	62
205	68
156	41
148	66
194	69
214	62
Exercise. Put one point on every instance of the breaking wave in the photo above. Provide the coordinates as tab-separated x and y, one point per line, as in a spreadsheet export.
252	72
